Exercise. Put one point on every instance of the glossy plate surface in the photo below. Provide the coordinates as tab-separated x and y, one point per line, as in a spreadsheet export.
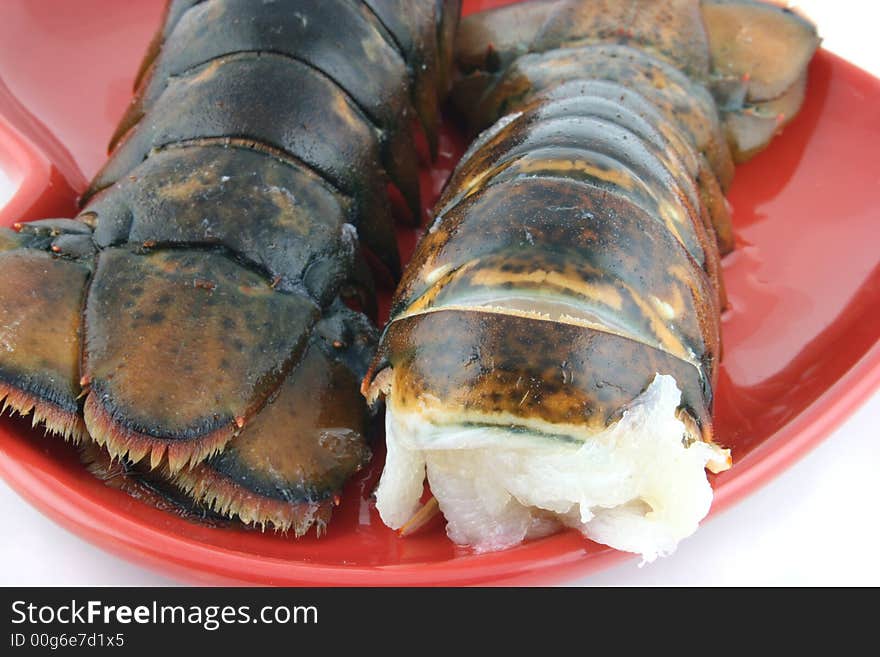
801	340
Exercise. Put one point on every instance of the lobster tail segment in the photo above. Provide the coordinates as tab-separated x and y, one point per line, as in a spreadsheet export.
41	324
221	104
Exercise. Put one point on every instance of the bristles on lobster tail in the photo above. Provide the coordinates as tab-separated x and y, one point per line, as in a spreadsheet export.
283	468
225	497
123	442
148	487
55	420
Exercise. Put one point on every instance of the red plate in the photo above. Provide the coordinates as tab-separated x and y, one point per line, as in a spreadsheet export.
801	341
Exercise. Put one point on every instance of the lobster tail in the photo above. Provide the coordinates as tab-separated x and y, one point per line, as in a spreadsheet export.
199	293
552	353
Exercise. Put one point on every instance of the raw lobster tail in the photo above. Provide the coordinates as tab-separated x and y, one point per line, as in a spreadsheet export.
191	319
553	346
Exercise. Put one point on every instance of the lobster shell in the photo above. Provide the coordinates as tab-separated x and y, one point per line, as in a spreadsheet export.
574	255
192	319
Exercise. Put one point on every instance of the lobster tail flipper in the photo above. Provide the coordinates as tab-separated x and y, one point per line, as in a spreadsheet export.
286	468
41	325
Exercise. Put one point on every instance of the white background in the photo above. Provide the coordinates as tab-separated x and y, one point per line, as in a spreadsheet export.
816	524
